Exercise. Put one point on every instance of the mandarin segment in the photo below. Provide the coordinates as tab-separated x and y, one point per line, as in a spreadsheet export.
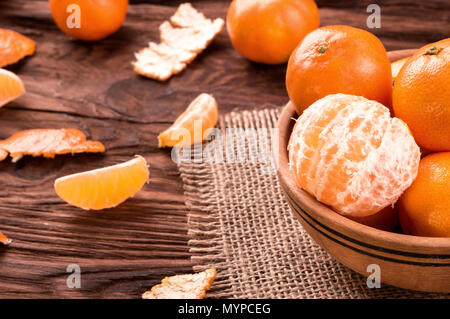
193	125
424	208
105	187
351	155
14	47
11	87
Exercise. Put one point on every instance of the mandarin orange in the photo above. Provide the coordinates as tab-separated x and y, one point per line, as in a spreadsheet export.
268	31
338	59
350	154
421	95
97	18
424	208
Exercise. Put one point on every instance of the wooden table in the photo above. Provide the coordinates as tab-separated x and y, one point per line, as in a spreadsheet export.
91	86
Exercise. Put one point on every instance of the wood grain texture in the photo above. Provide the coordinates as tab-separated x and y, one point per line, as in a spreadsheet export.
91	86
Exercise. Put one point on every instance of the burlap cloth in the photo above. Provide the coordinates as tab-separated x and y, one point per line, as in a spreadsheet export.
241	224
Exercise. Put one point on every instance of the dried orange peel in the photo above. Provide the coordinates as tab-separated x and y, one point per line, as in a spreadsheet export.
11	87
193	125
47	143
187	34
191	286
14	46
160	61
104	187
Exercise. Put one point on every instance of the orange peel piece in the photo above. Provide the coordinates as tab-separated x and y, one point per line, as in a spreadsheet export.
189	39
3	155
47	143
160	61
190	286
14	47
187	34
4	240
187	17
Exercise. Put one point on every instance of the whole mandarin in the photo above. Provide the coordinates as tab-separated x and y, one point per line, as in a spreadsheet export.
421	95
267	31
98	18
338	59
424	208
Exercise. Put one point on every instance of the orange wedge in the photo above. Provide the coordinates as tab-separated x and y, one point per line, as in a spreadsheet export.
396	66
14	46
193	125
105	187
11	87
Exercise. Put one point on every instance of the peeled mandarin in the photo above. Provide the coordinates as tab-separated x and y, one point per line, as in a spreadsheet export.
350	154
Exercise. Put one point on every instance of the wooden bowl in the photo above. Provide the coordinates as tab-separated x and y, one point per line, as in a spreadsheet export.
412	262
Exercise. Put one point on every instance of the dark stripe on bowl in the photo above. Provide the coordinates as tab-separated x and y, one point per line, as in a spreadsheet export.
294	205
409	262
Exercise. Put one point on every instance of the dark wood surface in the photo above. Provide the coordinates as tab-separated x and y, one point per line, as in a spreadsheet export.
91	86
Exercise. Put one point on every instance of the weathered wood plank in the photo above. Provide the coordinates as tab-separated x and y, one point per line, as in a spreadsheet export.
92	87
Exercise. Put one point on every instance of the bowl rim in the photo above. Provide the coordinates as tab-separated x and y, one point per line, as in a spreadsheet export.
435	247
